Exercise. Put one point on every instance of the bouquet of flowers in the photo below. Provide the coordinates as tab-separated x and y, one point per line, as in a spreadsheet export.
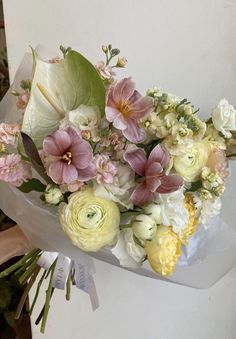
120	175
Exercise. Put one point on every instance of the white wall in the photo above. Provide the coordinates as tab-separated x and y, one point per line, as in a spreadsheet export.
187	47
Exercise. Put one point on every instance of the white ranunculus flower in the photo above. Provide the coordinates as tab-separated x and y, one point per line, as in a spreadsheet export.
173	210
119	190
86	118
154	211
127	251
224	118
144	227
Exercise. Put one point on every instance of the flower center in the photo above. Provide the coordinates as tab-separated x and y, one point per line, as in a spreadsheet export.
67	158
125	109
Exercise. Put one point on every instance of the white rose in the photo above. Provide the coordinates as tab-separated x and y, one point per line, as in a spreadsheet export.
173	210
154	211
209	209
120	189
224	118
86	118
127	251
53	195
144	227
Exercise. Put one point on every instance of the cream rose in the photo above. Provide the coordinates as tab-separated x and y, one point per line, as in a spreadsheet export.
89	221
190	164
224	118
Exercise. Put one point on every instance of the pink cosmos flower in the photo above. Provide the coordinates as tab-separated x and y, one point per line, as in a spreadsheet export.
105	71
153	171
69	157
105	169
23	100
9	134
14	170
125	107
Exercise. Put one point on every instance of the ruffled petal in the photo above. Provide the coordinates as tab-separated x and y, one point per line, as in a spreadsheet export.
111	113
170	183
133	132
70	174
57	144
87	173
142	107
123	90
82	154
159	154
136	158
141	195
55	171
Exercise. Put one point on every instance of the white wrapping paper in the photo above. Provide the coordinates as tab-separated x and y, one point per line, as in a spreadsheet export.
210	254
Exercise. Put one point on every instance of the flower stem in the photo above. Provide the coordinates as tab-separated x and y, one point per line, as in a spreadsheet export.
68	287
19	263
26	292
48	298
25	276
37	292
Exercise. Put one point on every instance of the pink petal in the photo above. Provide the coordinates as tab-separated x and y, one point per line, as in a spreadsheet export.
135	97
70	174
111	113
141	195
153	176
120	122
74	133
133	132
159	154
56	171
123	90
87	173
142	107
57	143
136	158
82	154
170	183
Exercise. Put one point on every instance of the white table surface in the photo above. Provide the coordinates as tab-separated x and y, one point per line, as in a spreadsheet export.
187	47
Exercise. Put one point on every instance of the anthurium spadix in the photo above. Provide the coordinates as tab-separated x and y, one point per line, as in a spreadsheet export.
58	88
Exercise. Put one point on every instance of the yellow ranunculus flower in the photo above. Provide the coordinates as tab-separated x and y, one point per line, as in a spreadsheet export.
192	224
89	221
163	250
190	164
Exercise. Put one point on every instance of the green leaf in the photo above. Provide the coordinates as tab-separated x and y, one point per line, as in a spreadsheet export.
33	154
195	186
32	185
57	88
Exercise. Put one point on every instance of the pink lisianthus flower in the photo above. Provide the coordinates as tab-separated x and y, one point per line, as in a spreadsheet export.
14	170
68	156
9	134
125	107
23	100
106	170
153	171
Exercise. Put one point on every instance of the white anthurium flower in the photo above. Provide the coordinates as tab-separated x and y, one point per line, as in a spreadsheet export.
127	251
144	227
224	118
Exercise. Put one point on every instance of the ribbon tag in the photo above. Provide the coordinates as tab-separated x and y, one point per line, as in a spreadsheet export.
85	282
61	272
47	259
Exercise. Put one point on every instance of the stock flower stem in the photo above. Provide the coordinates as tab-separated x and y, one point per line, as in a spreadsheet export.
68	287
48	298
19	263
26	292
25	276
37	292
